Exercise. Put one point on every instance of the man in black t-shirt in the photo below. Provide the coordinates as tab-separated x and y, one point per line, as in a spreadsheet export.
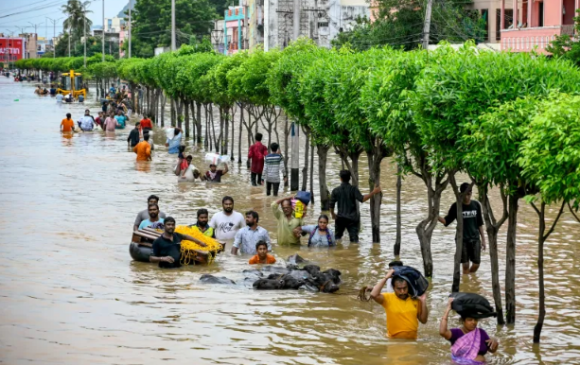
472	229
167	248
346	197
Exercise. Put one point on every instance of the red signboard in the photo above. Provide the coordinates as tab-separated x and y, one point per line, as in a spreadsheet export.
11	49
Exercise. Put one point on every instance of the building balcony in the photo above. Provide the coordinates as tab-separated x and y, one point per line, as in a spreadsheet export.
528	39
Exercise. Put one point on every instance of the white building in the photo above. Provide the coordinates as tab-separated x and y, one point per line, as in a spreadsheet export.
114	25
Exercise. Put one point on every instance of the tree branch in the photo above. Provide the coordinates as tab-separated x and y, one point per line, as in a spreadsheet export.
555	221
572	211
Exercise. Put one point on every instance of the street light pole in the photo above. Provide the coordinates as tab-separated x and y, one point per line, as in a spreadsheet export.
103	42
173	43
69	31
129	28
85	38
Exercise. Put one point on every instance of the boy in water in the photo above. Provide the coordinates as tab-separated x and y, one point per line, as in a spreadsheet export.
263	257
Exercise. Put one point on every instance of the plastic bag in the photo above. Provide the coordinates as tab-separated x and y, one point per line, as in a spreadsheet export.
472	305
214	158
417	283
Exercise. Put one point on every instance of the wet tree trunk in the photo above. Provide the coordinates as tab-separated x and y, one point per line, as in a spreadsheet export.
233	118
240	134
397	247
458	234
164	100
193	120
287	128
542	237
312	174
375	156
492	229
322	151
185	105
198	123
306	132
510	259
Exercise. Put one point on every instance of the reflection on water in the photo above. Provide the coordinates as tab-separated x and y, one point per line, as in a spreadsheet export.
70	294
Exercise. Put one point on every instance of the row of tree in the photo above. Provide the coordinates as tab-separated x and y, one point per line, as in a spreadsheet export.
508	120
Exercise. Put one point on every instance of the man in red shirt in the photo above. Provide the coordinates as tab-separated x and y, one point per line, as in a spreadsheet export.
256	155
146	123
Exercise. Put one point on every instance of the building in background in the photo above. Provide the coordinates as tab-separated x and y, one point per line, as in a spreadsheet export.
31	46
235	25
114	25
43	46
12	49
533	24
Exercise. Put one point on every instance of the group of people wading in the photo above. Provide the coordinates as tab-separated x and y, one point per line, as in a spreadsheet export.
469	344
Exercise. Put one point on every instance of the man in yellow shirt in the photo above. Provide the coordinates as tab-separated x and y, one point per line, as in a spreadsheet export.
403	312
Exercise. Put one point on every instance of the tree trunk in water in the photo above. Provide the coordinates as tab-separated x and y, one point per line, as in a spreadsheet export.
185	105
306	159
164	100
240	135
397	247
312	174
232	158
542	237
286	148
322	151
198	124
510	260
492	229
193	121
458	234
374	160
227	131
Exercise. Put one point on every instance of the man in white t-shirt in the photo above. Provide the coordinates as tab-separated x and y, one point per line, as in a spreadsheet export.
227	223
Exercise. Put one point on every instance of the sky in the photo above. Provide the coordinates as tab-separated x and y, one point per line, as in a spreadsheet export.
36	11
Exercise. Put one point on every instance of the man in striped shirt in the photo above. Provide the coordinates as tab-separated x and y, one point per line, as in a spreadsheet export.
273	166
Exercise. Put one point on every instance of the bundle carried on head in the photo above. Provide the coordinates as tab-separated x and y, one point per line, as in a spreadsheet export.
472	305
188	248
417	283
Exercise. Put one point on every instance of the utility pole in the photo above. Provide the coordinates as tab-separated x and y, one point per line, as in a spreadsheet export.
69	31
296	26
53	36
173	25
103	42
85	37
295	156
427	26
129	28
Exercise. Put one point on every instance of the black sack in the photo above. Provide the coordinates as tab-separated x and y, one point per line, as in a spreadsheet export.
472	305
417	283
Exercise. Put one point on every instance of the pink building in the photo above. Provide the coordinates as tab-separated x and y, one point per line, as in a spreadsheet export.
533	24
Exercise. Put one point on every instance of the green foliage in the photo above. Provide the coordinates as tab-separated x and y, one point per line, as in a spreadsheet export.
451	95
549	154
565	46
399	24
152	23
62	64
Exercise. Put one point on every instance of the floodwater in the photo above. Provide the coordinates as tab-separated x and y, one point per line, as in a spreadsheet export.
70	294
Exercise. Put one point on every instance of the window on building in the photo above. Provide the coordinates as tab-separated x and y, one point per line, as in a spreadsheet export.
485	19
508	20
541	14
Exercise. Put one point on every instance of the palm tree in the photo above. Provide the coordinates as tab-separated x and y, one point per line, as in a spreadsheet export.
77	17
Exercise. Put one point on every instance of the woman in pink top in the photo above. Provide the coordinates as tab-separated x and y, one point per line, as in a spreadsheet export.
110	123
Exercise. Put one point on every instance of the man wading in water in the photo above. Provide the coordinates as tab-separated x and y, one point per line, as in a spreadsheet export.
403	312
346	197
167	248
472	229
287	222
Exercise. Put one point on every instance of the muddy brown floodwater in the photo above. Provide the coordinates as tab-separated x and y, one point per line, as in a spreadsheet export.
70	294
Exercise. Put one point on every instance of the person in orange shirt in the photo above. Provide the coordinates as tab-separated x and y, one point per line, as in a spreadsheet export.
263	257
67	124
143	149
146	123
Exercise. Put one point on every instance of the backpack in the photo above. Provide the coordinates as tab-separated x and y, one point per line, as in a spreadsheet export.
417	283
472	305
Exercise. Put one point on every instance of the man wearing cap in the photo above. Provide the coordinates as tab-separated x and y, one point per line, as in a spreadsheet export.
403	312
472	229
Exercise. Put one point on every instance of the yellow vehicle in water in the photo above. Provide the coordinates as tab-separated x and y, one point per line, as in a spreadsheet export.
72	83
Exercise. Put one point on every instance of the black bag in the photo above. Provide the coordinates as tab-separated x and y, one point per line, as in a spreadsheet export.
472	305
417	283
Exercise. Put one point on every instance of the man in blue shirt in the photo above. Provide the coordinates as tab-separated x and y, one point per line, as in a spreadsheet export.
112	91
247	237
154	220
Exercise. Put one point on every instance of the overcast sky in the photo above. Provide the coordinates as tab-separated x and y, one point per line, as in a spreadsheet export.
35	12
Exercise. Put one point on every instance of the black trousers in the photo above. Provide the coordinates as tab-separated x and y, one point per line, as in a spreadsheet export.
253	176
269	187
342	224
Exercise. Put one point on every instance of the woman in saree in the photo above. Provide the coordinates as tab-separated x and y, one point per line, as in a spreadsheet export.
469	344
